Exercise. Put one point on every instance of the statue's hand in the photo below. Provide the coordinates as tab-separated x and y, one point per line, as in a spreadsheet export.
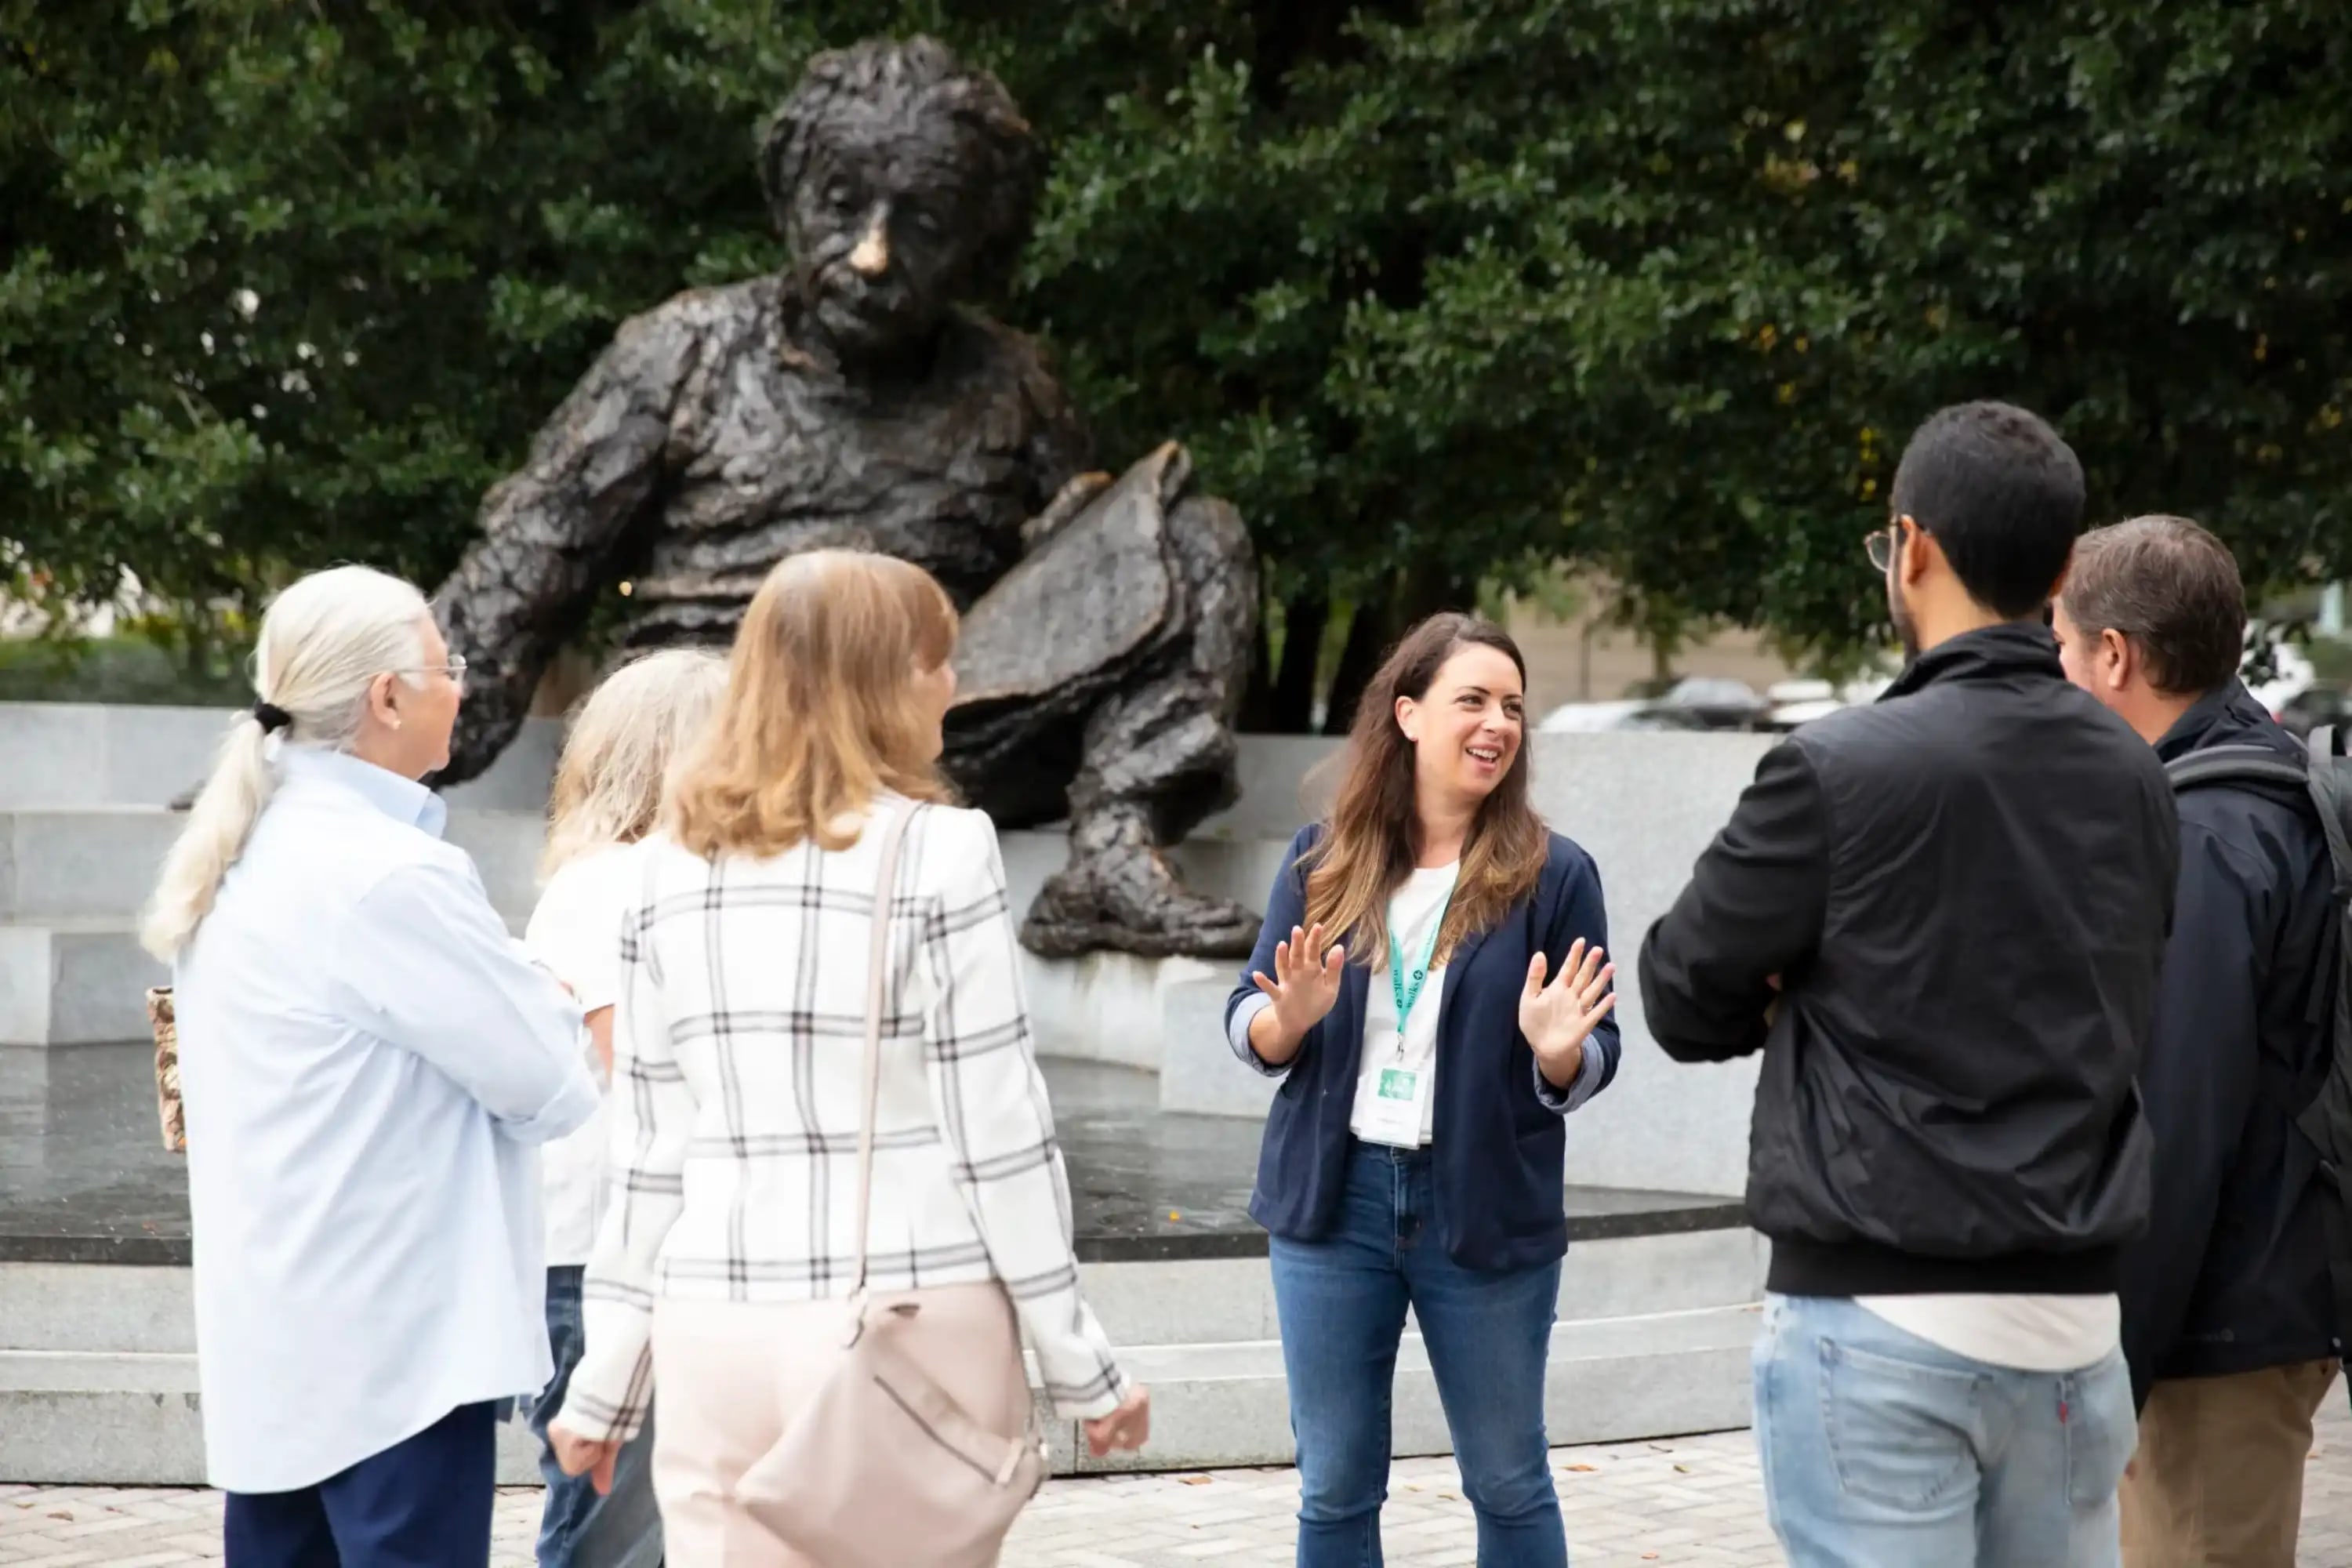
1073	498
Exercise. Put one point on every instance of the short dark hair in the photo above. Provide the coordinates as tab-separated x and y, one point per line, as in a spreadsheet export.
889	77
2172	589
2003	497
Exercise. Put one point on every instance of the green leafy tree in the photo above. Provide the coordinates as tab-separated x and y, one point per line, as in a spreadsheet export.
1442	293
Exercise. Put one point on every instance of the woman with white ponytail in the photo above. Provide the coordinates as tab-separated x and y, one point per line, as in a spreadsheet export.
367	1061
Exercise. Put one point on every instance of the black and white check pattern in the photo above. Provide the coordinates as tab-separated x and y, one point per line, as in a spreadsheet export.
735	1106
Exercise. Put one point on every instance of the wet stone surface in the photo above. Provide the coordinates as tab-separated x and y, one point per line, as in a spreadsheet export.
84	1176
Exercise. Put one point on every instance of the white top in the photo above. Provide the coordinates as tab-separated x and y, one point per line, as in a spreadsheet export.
367	1060
575	932
2025	1333
1414	910
737	1100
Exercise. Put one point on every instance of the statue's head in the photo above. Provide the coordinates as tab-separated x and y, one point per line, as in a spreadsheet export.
903	181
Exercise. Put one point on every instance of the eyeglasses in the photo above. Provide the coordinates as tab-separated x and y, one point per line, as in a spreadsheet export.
1882	544
455	670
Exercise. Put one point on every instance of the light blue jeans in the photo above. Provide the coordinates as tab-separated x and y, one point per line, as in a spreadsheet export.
1880	1449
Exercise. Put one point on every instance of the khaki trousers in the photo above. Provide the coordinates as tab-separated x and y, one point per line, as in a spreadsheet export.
2218	1479
727	1388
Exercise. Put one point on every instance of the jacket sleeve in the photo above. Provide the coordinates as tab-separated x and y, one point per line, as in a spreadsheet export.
2198	1080
652	1119
995	1120
1753	911
426	963
1581	912
1286	907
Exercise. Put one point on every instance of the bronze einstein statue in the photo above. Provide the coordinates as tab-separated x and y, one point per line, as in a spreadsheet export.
856	401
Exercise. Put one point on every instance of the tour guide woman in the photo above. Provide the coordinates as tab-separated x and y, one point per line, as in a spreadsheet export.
1414	1154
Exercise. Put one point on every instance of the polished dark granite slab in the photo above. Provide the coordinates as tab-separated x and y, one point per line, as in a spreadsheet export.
84	1177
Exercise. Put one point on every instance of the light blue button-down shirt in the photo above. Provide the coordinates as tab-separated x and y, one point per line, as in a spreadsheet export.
367	1060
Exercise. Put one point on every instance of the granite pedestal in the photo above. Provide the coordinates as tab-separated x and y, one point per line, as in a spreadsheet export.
97	1376
1657	1302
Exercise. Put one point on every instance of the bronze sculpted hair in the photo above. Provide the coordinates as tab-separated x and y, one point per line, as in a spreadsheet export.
890	80
1371	840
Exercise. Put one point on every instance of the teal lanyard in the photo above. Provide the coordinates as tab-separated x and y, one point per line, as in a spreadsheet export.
1404	985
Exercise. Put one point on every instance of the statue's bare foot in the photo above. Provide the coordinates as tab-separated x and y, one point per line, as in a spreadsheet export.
1127	898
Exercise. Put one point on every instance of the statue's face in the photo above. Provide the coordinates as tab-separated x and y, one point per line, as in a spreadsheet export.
883	230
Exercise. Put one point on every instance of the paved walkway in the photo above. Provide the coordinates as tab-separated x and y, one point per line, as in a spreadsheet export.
1689	1503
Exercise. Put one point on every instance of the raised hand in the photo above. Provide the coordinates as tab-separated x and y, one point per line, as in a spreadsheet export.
1559	1017
1305	979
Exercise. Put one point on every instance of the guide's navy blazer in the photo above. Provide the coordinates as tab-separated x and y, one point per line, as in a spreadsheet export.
1498	1141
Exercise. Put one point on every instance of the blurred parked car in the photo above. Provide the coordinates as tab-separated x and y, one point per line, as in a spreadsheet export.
1694	702
2278	673
1704	702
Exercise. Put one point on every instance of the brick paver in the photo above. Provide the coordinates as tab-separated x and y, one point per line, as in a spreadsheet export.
1691	1502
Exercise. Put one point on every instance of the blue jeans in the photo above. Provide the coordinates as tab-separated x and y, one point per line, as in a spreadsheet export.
1342	1303
579	1529
1879	1448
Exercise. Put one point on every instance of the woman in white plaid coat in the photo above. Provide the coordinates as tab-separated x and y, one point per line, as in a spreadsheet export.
737	1089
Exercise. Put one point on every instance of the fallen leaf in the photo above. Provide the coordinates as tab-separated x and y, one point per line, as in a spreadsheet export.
1197	1480
1682	1469
1579	1469
60	1515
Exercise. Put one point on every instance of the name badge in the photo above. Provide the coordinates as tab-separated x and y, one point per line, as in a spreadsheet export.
1394	1115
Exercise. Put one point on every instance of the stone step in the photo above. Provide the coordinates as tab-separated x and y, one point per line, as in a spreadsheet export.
95	754
100	862
87	1420
82	1418
113	1309
87	754
73	881
1610	1380
73	982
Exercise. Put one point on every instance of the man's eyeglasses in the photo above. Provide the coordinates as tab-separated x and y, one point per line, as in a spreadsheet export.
1881	546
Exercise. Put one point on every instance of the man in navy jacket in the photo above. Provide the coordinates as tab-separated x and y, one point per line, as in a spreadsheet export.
2227	1314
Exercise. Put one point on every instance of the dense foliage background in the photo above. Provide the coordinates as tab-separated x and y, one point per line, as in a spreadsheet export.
1442	293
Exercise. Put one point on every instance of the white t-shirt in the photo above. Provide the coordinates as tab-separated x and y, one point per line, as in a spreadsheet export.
575	931
1415	909
2024	1333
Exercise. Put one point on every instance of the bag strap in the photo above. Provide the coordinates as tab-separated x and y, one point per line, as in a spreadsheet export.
878	963
2234	764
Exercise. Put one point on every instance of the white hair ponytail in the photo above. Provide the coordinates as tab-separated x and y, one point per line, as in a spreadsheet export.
324	642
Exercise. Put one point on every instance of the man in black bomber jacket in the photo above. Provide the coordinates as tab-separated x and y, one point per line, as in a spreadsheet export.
2229	1315
1959	898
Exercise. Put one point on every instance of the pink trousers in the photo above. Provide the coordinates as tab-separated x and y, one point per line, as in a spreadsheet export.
727	1391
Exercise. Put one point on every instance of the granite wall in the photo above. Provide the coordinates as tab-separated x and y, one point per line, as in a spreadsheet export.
81	827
